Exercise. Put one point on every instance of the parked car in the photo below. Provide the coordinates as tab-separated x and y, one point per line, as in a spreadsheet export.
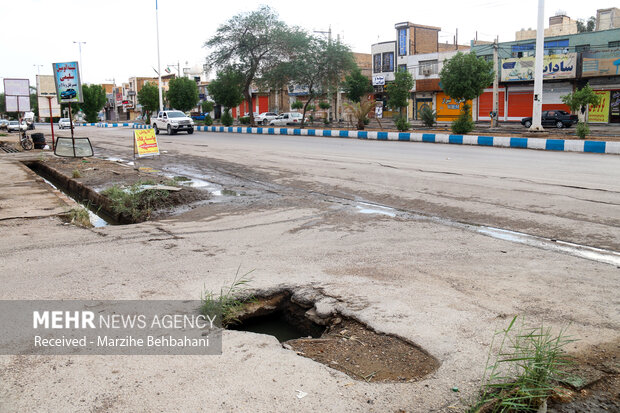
557	118
173	121
14	126
288	118
265	117
68	94
64	123
4	123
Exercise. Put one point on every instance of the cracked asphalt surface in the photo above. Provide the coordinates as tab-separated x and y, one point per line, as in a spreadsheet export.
297	223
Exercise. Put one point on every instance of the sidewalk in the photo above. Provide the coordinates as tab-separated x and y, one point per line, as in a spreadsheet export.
24	194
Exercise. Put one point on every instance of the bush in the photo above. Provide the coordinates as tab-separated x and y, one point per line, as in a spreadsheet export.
227	119
366	121
402	124
463	124
208	120
324	105
244	120
298	104
428	116
583	130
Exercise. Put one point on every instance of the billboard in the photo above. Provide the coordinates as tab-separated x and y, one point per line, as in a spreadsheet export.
600	63
600	113
559	66
68	84
17	95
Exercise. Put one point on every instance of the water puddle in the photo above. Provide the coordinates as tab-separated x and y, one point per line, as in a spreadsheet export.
366	208
117	160
577	250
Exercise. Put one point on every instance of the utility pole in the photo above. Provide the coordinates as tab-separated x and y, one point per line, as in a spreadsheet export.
161	98
538	69
495	85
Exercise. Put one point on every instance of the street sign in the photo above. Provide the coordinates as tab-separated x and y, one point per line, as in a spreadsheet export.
145	142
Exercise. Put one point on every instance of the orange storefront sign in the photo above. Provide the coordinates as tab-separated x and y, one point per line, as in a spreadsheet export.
448	108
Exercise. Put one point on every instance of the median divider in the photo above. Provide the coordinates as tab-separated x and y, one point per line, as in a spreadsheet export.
562	145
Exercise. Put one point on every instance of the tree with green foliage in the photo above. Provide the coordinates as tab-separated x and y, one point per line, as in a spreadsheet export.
148	97
399	91
207	106
227	90
586	26
314	67
254	42
360	111
580	99
464	77
182	94
94	100
356	85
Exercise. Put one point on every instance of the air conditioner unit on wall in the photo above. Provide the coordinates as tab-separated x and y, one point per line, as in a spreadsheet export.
426	71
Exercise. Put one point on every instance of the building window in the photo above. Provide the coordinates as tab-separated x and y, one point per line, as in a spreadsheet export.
376	65
582	48
615	43
428	67
402	68
402	42
388	62
487	57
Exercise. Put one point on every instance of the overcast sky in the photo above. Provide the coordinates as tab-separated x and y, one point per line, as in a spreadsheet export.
120	35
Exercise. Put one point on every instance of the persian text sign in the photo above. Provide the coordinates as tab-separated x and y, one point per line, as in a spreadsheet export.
145	142
600	113
68	84
601	63
521	69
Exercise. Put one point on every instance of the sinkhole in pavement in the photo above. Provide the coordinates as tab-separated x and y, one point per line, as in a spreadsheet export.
339	342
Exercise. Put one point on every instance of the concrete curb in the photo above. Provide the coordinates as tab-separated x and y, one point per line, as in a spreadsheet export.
565	145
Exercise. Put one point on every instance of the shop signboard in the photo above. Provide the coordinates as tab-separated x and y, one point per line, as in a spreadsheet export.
68	84
600	113
559	66
600	63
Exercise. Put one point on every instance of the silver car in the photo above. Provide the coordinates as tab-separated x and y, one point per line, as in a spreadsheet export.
265	117
14	126
288	118
64	123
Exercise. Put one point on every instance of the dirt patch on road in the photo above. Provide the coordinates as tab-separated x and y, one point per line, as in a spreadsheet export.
596	383
364	354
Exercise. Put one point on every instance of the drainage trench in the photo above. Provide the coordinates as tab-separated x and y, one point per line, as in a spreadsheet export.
339	342
98	206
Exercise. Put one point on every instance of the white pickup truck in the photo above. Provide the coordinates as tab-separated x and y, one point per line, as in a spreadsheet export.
173	121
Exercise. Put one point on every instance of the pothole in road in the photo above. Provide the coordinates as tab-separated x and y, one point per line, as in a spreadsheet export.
342	343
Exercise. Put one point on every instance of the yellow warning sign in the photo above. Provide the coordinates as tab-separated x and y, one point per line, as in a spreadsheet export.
145	142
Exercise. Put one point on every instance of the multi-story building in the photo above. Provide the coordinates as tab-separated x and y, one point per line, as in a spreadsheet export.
417	49
571	61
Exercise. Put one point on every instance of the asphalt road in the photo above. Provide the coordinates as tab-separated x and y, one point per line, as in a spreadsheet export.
386	232
563	196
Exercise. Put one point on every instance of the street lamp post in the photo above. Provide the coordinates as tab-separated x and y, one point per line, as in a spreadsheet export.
79	43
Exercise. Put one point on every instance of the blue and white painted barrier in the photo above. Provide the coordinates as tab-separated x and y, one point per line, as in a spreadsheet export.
566	145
